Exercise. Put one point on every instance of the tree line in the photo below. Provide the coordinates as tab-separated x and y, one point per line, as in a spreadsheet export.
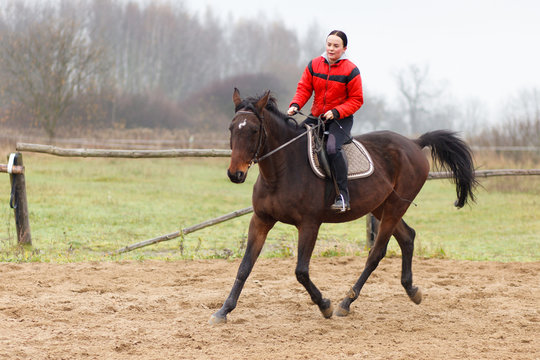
123	64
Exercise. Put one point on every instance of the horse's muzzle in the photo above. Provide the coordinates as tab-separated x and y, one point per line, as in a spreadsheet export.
237	177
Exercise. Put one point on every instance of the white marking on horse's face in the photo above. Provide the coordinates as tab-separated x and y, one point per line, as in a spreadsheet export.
242	124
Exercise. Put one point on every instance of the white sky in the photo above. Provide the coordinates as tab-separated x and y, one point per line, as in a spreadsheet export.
483	49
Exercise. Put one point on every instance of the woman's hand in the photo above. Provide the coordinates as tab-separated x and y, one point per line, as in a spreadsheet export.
292	110
329	115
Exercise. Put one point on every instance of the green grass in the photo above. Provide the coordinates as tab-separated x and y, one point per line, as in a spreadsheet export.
502	226
82	209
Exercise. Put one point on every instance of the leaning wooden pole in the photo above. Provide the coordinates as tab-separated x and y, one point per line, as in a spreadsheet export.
18	198
185	231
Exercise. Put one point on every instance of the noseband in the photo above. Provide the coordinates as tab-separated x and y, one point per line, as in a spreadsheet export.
262	132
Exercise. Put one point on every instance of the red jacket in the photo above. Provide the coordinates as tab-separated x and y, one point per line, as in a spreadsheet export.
337	87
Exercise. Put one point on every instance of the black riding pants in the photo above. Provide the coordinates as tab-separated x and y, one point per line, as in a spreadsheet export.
339	133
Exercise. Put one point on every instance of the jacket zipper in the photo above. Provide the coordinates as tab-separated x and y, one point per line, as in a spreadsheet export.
326	89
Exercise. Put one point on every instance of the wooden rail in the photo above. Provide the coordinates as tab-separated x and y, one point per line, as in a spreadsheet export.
134	154
15	169
488	173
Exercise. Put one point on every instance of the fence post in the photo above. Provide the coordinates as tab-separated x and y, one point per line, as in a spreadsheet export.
372	227
18	200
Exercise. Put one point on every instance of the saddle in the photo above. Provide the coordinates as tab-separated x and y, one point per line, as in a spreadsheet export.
358	159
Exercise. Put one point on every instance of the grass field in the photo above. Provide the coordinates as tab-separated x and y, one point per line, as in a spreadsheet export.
82	209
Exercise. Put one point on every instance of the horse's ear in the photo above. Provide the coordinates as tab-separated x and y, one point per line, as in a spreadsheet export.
236	97
262	102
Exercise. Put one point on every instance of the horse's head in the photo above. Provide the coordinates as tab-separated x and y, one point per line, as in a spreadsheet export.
247	135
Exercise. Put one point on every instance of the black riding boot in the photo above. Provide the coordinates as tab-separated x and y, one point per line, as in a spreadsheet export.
339	165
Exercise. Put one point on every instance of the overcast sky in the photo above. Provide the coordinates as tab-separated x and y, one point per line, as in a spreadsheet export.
483	49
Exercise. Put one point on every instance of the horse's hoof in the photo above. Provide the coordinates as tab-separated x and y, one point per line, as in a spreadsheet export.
328	312
215	319
417	297
341	311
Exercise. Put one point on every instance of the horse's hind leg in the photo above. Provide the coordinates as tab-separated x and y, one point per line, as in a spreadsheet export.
377	252
258	230
404	235
307	235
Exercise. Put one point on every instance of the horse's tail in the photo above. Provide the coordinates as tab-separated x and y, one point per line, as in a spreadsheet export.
450	153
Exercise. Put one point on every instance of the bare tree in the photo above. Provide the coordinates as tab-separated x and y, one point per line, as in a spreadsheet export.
47	64
375	114
522	119
49	56
520	126
413	83
312	43
473	117
248	39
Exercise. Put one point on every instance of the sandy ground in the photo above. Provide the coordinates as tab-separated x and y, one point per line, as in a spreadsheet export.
160	310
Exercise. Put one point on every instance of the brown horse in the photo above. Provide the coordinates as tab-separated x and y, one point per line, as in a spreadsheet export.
287	190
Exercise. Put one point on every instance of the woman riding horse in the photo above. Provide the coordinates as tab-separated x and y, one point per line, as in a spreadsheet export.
338	95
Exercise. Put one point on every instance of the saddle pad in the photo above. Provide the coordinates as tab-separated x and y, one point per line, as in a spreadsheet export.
358	159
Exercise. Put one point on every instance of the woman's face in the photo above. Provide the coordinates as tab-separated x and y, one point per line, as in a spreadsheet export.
334	48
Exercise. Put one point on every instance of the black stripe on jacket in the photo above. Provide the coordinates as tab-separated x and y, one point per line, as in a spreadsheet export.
339	78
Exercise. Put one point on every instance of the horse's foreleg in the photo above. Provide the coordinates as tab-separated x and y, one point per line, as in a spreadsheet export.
405	238
377	252
258	230
307	235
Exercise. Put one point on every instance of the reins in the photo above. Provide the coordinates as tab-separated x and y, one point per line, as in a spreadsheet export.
256	158
285	144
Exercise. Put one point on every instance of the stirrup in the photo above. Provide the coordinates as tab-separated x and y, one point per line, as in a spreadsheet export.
340	205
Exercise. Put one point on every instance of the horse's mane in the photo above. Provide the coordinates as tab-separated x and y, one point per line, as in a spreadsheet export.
271	106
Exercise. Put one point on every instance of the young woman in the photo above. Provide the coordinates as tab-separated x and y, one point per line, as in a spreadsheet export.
338	95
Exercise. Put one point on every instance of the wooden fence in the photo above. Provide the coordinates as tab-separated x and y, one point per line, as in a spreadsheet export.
371	222
17	201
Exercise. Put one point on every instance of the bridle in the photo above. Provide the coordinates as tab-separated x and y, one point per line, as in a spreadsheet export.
262	133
